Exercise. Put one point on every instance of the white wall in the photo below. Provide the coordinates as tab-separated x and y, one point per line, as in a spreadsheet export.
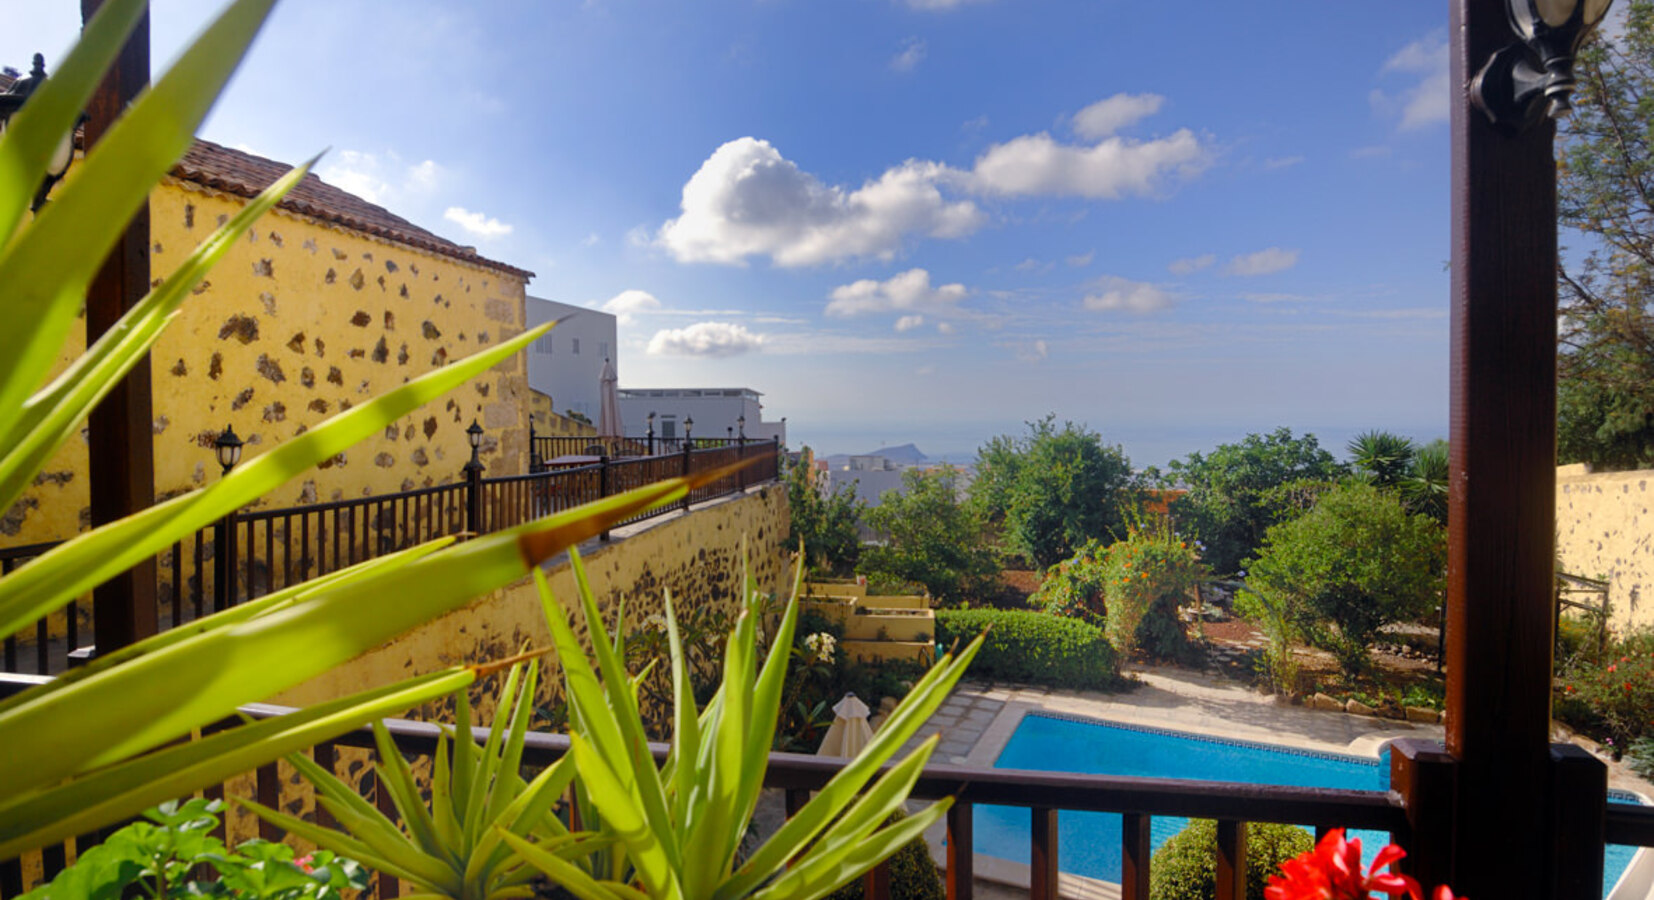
568	361
715	412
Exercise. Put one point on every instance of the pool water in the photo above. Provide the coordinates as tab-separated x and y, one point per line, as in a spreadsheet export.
1089	843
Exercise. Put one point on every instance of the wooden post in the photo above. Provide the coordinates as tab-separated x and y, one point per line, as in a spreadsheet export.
473	497
684	503
1042	857
1135	850
603	486
961	852
1578	796
1423	774
1503	473
1231	860
120	452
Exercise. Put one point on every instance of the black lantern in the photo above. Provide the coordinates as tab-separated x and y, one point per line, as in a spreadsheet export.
228	447
1511	90
11	101
474	435
688	423
742	422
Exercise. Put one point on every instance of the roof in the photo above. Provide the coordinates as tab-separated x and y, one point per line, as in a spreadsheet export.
245	175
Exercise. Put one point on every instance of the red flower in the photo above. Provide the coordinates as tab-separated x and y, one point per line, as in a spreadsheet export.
304	862
1332	871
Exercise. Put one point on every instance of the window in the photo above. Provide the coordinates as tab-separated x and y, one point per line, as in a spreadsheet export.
542	345
668	428
576	346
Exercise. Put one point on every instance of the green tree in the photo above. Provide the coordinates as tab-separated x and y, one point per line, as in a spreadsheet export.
1605	193
825	524
1051	490
1424	489
1354	563
930	537
1383	458
1239	490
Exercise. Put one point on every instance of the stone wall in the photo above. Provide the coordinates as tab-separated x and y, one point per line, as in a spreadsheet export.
300	320
1604	531
696	557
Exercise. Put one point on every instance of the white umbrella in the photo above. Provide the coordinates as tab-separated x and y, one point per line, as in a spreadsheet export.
850	731
608	387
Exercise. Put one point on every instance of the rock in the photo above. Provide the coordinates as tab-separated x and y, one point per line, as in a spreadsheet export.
1357	708
1422	714
1322	701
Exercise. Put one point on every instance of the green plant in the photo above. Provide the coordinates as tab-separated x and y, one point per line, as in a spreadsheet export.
913	874
674	829
1277	666
1185	867
1145	577
1613	698
822	526
450	846
1355	562
1074	587
1023	645
175	855
103	742
1382	458
930	538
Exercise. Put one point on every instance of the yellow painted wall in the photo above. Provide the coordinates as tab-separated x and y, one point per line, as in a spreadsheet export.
697	558
1604	530
303	319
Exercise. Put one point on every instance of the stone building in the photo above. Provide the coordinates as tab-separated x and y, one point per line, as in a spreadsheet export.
329	301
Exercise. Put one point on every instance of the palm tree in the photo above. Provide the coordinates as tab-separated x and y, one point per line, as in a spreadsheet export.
1382	458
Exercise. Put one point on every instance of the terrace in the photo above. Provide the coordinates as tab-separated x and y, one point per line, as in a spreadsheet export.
1497	810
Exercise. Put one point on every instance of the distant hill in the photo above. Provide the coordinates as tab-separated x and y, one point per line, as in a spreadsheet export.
904	455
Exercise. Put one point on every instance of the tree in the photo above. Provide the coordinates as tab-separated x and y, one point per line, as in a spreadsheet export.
1240	490
1354	563
824	525
1052	490
931	538
1605	192
1383	458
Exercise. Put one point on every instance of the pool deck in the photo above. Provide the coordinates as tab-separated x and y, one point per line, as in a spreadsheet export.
979	718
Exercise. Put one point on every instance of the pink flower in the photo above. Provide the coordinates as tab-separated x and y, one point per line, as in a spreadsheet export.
304	862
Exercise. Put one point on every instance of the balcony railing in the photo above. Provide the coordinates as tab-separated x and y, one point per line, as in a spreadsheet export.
1412	811
253	553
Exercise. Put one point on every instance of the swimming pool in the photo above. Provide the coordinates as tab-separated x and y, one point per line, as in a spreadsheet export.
1089	843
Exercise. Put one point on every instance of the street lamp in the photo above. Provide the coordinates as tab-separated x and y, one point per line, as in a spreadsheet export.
228	447
474	435
688	423
1511	90
11	101
742	421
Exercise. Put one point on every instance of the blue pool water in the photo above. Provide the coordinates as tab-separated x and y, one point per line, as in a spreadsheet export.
1089	843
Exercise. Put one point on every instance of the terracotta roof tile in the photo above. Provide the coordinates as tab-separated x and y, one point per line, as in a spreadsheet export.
243	174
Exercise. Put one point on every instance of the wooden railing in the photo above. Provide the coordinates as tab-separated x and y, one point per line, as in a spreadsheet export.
551	447
253	553
1407	810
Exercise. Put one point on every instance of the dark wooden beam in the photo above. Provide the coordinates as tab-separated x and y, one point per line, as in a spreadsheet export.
120	456
1503	470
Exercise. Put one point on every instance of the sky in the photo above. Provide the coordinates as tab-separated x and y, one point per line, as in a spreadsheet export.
924	221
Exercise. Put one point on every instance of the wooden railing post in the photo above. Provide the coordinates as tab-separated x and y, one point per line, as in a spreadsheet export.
1042	856
961	852
1134	857
684	504
603	486
1578	797
1424	774
1231	860
473	497
223	562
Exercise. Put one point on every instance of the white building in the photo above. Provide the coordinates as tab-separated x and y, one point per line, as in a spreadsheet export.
716	412
567	362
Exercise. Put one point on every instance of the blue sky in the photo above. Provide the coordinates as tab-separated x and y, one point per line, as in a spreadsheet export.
914	220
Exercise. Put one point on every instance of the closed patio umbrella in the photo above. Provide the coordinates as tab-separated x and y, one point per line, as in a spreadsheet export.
608	388
849	731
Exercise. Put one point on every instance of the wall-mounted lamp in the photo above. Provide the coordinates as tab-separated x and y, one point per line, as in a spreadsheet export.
228	448
1511	90
11	101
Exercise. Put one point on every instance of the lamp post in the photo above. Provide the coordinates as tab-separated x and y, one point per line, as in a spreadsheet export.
688	427
227	447
651	420
63	154
473	481
741	423
1515	93
533	448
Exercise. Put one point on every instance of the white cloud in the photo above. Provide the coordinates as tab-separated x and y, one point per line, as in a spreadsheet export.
627	304
1109	115
1029	351
908	323
1037	164
1263	262
591	240
1425	101
747	200
1282	162
476	223
945	328
1032	265
909	57
1191	264
385	180
1112	292
1274	298
908	292
713	339
1081	260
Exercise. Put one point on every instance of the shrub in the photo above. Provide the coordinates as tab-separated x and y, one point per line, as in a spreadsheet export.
1024	645
913	876
1145	576
1185	867
1074	587
1613	698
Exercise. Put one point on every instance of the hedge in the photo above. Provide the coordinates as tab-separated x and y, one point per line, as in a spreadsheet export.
913	876
1034	647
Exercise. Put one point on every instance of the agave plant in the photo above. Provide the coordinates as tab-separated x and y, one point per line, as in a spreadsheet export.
82	751
672	831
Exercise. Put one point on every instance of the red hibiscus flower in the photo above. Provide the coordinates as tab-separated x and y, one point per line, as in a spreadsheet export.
1332	871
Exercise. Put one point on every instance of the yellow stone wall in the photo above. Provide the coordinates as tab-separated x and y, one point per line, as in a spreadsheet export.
1604	530
303	319
697	558
548	422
